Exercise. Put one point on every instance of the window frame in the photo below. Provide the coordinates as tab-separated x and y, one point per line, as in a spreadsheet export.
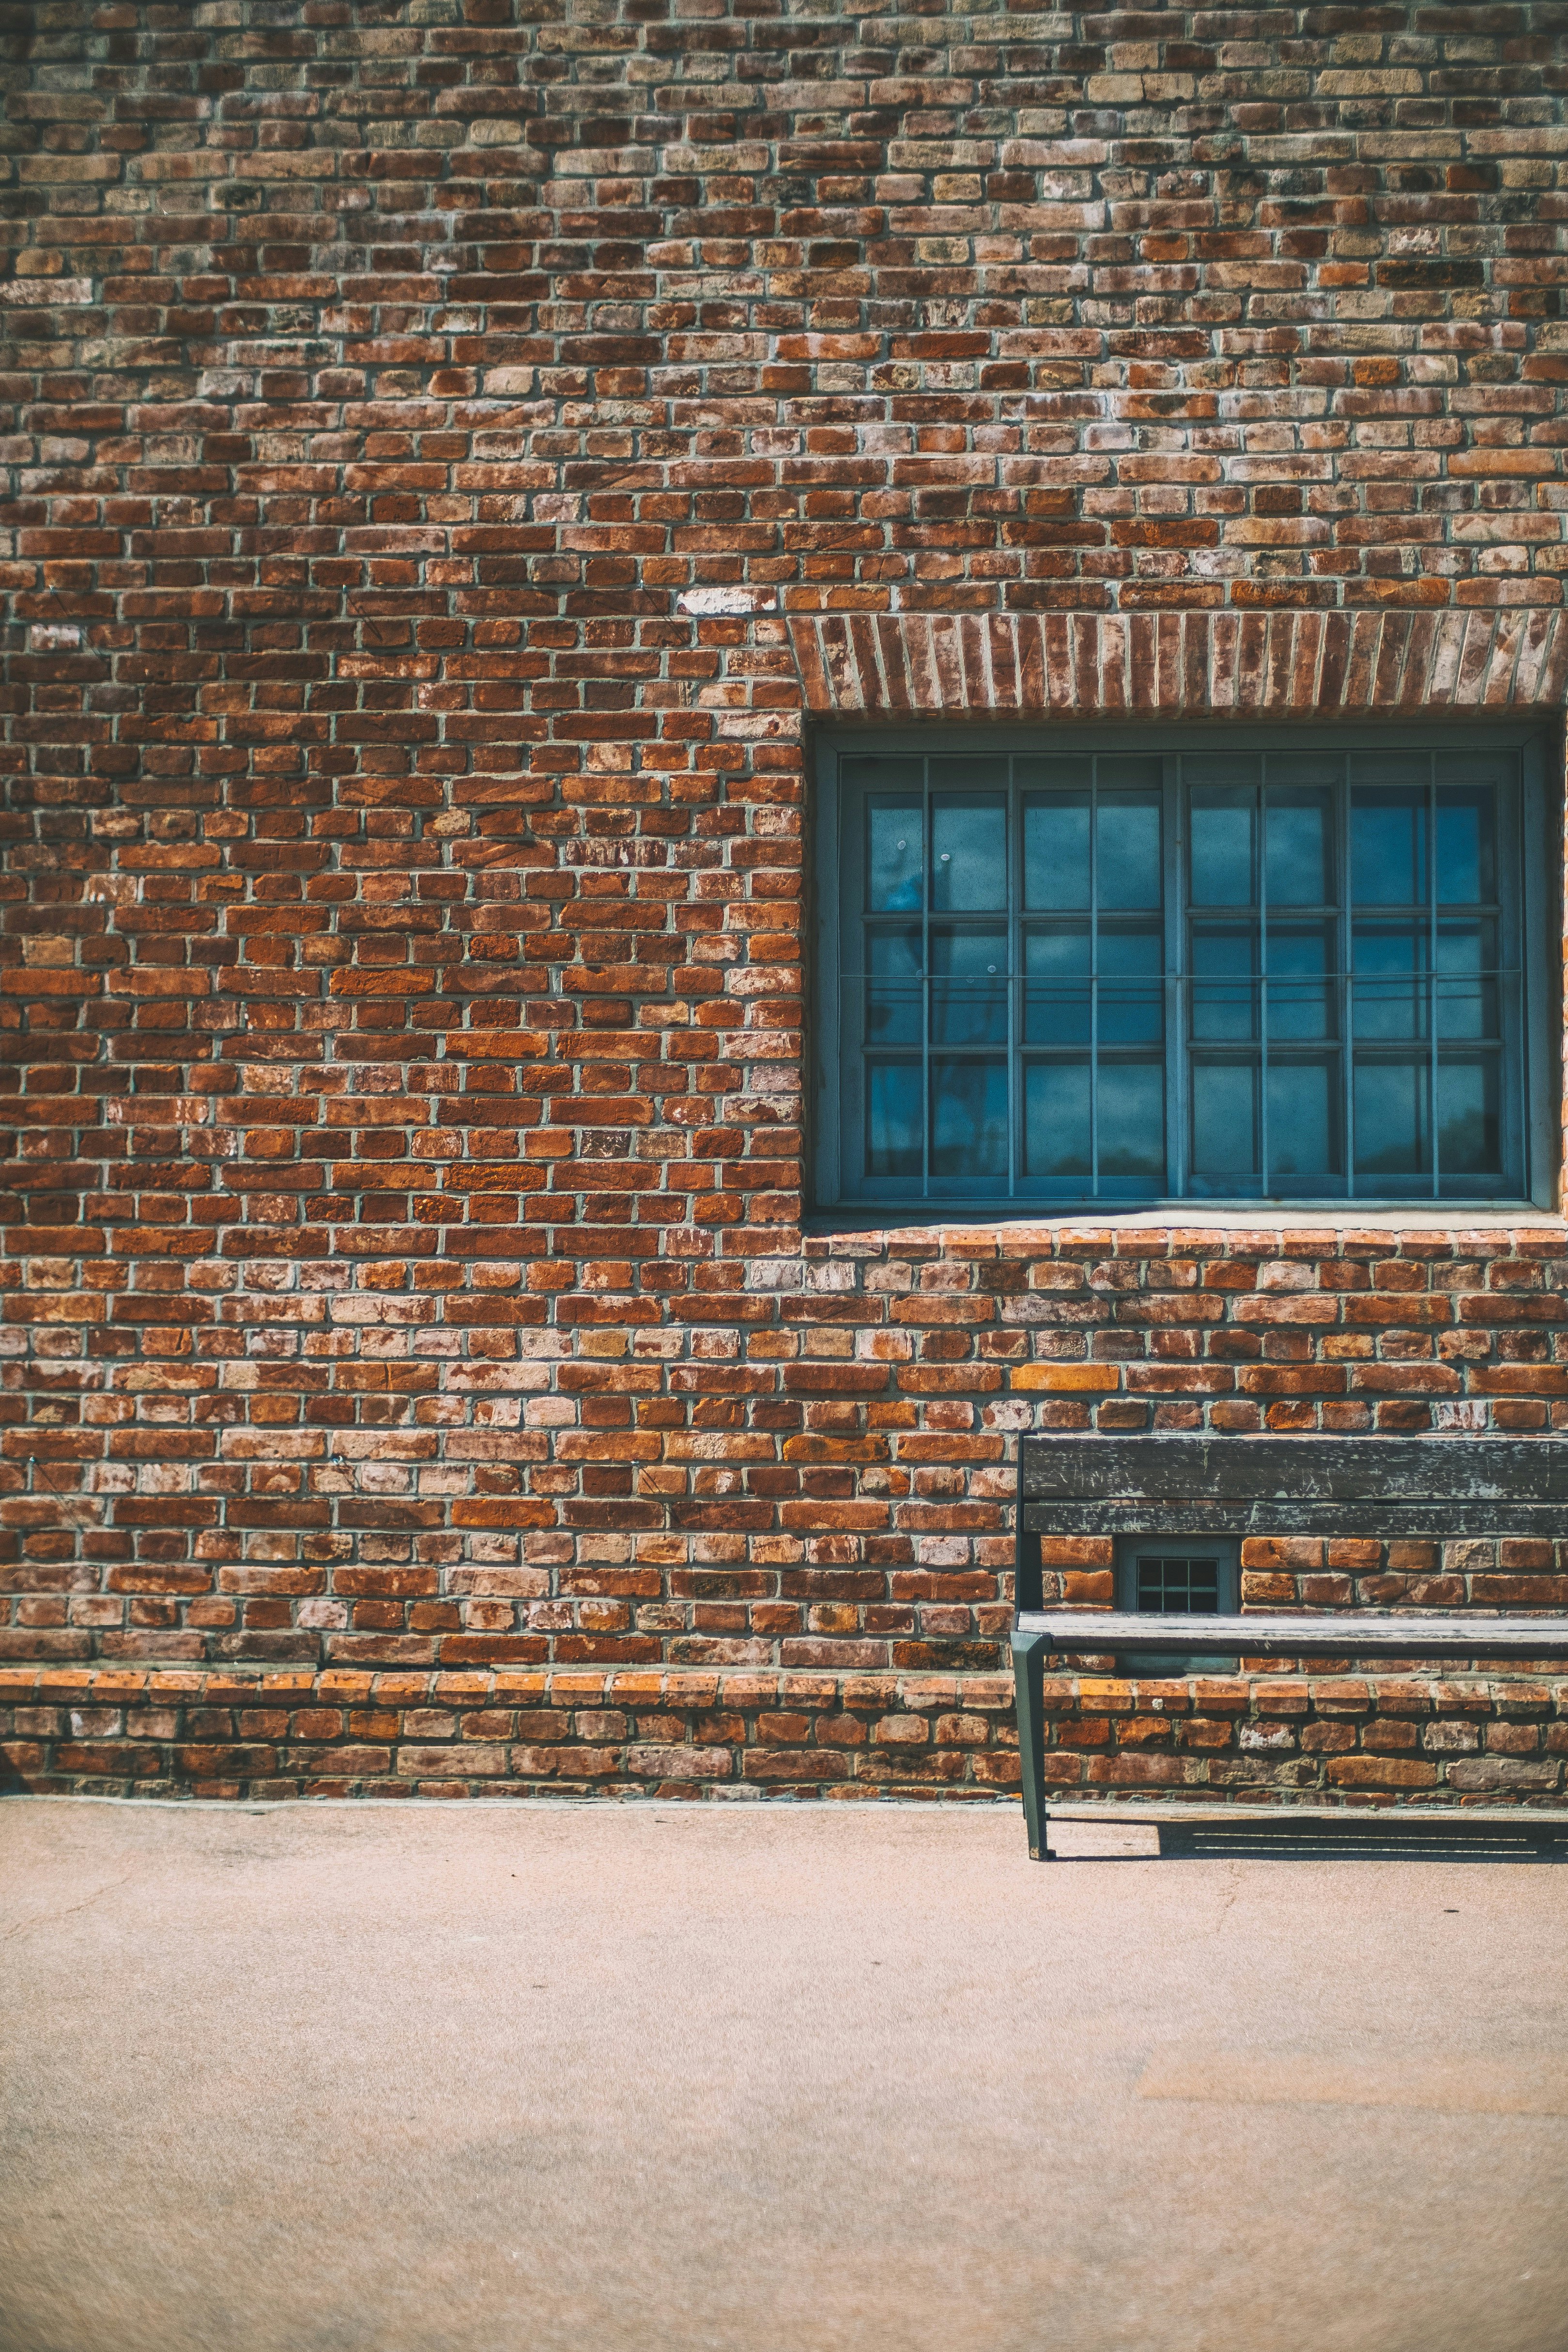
1534	1131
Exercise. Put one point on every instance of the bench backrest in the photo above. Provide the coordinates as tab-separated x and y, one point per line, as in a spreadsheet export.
1388	1489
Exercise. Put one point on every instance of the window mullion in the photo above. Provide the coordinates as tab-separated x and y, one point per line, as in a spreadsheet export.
1432	969
1094	980
1178	1170
1509	937
1013	967
832	932
927	885
1344	985
1261	921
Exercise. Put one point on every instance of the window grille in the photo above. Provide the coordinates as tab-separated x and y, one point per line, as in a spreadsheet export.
1184	1585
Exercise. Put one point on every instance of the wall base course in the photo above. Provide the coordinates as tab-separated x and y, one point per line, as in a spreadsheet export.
1273	1737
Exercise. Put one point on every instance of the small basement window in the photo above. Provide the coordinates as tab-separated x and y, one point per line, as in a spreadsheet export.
1159	1576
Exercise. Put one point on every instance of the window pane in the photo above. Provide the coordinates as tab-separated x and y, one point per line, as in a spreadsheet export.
880	772
1056	1000
1132	999
893	1119
1062	772
1129	771
1388	847
969	988
1299	834
894	997
1132	1120
1301	1119
1393	1119
1391	985
969	773
1126	842
1466	864
1300	1003
1466	995
1056	850
1055	1119
969	1118
1224	1119
1222	847
969	851
895	865
1469	1135
1225	996
1177	1588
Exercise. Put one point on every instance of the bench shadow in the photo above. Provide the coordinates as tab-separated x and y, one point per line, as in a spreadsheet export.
1322	1841
1332	1842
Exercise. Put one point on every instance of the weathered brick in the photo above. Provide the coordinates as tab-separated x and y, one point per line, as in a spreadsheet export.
411	644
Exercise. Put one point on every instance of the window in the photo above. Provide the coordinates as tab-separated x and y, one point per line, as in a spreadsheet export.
1163	1576
1088	968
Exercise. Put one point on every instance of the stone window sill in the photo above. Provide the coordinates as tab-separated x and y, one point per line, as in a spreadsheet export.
1261	1216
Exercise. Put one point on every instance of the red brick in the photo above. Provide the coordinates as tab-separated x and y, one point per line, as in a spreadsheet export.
404	908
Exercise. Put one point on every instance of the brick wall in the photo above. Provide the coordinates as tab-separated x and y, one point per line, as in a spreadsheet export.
457	448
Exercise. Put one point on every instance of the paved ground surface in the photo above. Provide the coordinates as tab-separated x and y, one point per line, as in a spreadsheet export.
550	2079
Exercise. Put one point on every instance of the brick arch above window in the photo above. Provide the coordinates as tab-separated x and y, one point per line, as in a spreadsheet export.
1258	664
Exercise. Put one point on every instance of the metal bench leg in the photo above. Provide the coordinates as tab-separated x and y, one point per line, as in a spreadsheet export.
1028	1680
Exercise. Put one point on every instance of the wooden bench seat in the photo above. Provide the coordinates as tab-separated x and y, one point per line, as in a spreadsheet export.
1180	1487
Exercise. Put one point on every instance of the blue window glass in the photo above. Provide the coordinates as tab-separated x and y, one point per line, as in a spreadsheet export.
1080	970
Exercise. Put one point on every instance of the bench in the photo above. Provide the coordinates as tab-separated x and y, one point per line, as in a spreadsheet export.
1179	1487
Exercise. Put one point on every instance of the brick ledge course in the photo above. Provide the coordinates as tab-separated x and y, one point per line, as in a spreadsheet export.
1275	1737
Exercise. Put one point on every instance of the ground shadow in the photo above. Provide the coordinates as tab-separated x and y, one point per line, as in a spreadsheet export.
1380	1841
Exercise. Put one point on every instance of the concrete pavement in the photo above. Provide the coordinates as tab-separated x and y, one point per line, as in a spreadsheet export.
551	2078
